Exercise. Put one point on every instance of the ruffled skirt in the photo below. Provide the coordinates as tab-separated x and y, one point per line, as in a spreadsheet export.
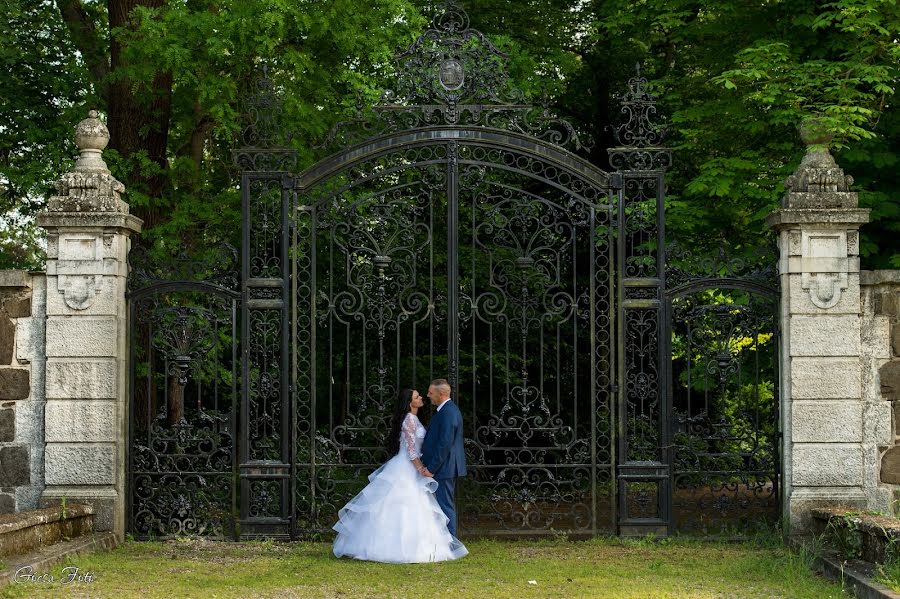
396	519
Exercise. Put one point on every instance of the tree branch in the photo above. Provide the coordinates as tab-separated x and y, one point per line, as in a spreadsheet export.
87	40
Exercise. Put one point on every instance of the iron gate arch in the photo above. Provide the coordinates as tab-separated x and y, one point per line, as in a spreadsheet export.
463	164
453	231
462	238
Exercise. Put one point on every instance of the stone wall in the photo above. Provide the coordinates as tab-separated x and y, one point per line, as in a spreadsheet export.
63	349
881	377
22	309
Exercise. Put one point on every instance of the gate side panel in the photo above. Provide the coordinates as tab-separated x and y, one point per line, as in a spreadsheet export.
643	472
265	436
183	392
722	346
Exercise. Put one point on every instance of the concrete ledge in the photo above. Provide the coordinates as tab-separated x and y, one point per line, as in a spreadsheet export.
824	217
15	278
44	558
879	277
24	531
74	220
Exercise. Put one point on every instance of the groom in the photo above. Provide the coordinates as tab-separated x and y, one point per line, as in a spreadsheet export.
442	450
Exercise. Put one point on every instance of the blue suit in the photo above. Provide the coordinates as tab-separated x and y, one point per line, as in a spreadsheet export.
445	457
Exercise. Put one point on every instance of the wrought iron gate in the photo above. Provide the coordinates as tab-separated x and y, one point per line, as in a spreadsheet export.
453	232
721	359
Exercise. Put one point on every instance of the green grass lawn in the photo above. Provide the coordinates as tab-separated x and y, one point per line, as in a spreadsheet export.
596	568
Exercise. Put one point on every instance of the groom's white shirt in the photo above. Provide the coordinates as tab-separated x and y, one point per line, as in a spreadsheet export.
442	404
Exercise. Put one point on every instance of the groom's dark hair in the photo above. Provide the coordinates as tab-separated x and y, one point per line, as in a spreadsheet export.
442	383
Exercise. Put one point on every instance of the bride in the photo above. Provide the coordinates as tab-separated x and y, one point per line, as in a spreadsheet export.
396	518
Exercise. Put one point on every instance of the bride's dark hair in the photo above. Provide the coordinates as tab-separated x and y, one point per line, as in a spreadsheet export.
400	411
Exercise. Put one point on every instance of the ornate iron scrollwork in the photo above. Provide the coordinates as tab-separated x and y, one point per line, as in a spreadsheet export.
639	139
724	389
184	377
217	266
263	140
758	265
452	75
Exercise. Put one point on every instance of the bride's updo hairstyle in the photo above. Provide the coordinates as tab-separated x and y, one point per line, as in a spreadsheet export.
393	440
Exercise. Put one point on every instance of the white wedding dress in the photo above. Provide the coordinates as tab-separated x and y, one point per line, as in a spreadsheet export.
396	518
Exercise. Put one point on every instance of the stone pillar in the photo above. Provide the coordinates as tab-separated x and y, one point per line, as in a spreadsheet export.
822	411
88	229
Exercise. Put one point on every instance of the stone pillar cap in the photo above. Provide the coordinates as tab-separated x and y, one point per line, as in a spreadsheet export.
89	187
818	192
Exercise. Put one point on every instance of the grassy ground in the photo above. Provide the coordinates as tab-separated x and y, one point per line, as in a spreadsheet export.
596	568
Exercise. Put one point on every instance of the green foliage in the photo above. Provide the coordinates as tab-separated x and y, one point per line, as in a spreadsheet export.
43	93
889	572
734	80
842	532
320	54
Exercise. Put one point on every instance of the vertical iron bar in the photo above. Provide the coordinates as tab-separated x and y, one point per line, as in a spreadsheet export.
292	483
313	253
612	341
620	407
663	334
243	435
593	347
667	383
132	337
233	423
453	263
777	450
286	374
473	319
331	331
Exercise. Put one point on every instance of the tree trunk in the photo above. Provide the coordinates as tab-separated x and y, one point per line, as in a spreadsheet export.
138	121
138	116
175	409
84	33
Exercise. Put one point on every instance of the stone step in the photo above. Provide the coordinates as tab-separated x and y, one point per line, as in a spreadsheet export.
18	569
23	532
854	575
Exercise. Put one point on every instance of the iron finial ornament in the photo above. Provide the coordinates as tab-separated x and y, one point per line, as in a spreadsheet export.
639	139
265	145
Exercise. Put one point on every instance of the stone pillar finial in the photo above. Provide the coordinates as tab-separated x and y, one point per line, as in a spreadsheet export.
89	186
91	137
818	182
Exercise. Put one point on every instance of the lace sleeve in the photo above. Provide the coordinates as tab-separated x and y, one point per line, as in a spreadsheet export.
409	436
